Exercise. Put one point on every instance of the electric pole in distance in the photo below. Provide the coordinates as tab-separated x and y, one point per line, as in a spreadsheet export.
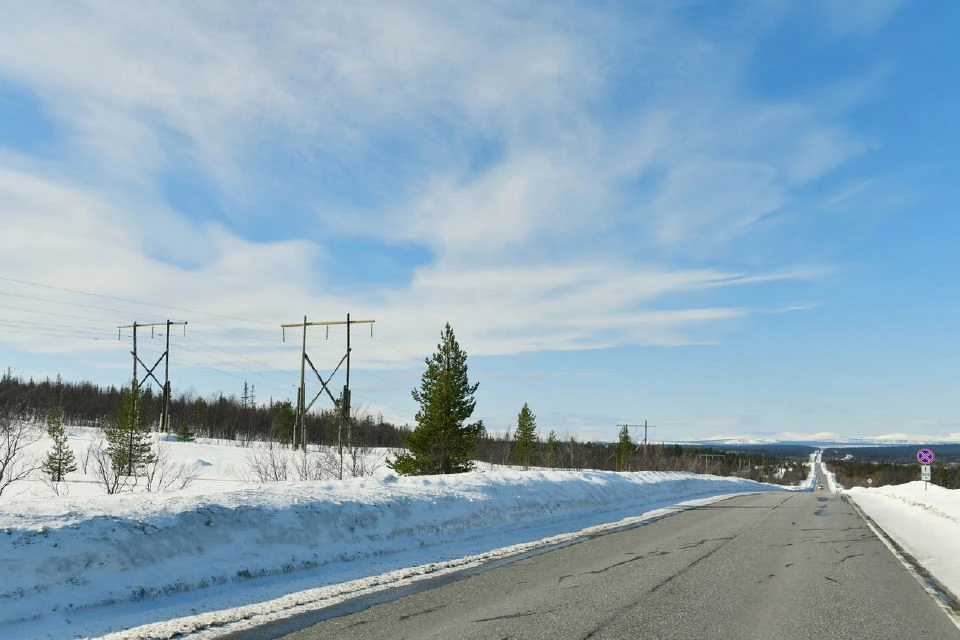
164	357
300	439
645	428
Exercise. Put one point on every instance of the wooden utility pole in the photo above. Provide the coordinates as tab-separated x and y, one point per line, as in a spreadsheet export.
165	358
301	393
645	428
302	405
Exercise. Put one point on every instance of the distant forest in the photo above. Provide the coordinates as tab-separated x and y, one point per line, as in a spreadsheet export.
220	417
880	466
896	454
229	418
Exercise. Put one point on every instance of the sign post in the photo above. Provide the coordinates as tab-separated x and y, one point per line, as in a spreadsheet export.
925	457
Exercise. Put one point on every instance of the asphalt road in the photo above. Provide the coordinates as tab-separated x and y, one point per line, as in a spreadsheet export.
765	566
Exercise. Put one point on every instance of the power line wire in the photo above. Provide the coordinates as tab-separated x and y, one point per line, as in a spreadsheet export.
130	301
269	383
237	355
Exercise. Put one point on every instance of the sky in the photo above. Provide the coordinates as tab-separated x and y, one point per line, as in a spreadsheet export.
725	219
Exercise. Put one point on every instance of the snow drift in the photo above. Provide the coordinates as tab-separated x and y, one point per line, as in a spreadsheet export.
89	566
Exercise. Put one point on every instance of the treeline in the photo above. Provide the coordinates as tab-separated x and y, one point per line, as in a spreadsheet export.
574	454
80	403
902	454
866	473
229	418
221	417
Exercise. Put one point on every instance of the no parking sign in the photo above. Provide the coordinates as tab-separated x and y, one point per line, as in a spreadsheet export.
925	457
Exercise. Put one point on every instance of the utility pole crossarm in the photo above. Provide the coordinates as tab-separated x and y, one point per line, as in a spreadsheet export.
290	325
140	325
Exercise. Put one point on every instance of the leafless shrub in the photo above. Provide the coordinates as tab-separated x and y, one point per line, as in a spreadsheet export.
103	470
356	458
59	487
164	474
362	461
307	467
87	457
269	464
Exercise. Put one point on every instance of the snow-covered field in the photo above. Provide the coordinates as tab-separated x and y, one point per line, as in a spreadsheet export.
226	553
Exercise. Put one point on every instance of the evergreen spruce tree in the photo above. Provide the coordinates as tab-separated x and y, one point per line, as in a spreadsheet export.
525	437
624	448
185	433
285	422
553	450
442	441
60	460
128	442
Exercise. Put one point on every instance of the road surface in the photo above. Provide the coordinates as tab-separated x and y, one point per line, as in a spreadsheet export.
764	566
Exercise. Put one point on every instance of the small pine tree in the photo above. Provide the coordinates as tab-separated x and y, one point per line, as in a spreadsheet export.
525	437
60	460
553	450
442	442
624	448
185	433
128	442
285	422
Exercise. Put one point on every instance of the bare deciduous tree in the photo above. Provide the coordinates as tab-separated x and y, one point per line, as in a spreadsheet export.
15	436
98	456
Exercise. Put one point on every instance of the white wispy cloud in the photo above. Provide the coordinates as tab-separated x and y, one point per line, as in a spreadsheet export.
529	245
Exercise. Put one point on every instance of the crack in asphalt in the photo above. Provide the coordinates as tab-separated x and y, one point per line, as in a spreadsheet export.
723	542
511	616
407	616
599	571
852	555
612	566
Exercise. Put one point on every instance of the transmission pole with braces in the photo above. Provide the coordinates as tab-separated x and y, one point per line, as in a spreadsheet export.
165	358
300	428
645	428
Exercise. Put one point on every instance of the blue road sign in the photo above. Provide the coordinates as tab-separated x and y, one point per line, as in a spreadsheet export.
925	456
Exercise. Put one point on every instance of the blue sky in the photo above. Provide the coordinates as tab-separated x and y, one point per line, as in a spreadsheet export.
725	218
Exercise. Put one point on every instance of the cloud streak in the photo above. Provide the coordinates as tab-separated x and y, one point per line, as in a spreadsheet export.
574	176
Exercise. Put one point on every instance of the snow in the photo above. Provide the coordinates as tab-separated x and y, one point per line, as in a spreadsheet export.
923	520
226	554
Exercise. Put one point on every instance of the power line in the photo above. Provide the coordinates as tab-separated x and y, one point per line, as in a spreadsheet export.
51	325
70	304
131	301
40	330
51	313
201	365
231	365
237	355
